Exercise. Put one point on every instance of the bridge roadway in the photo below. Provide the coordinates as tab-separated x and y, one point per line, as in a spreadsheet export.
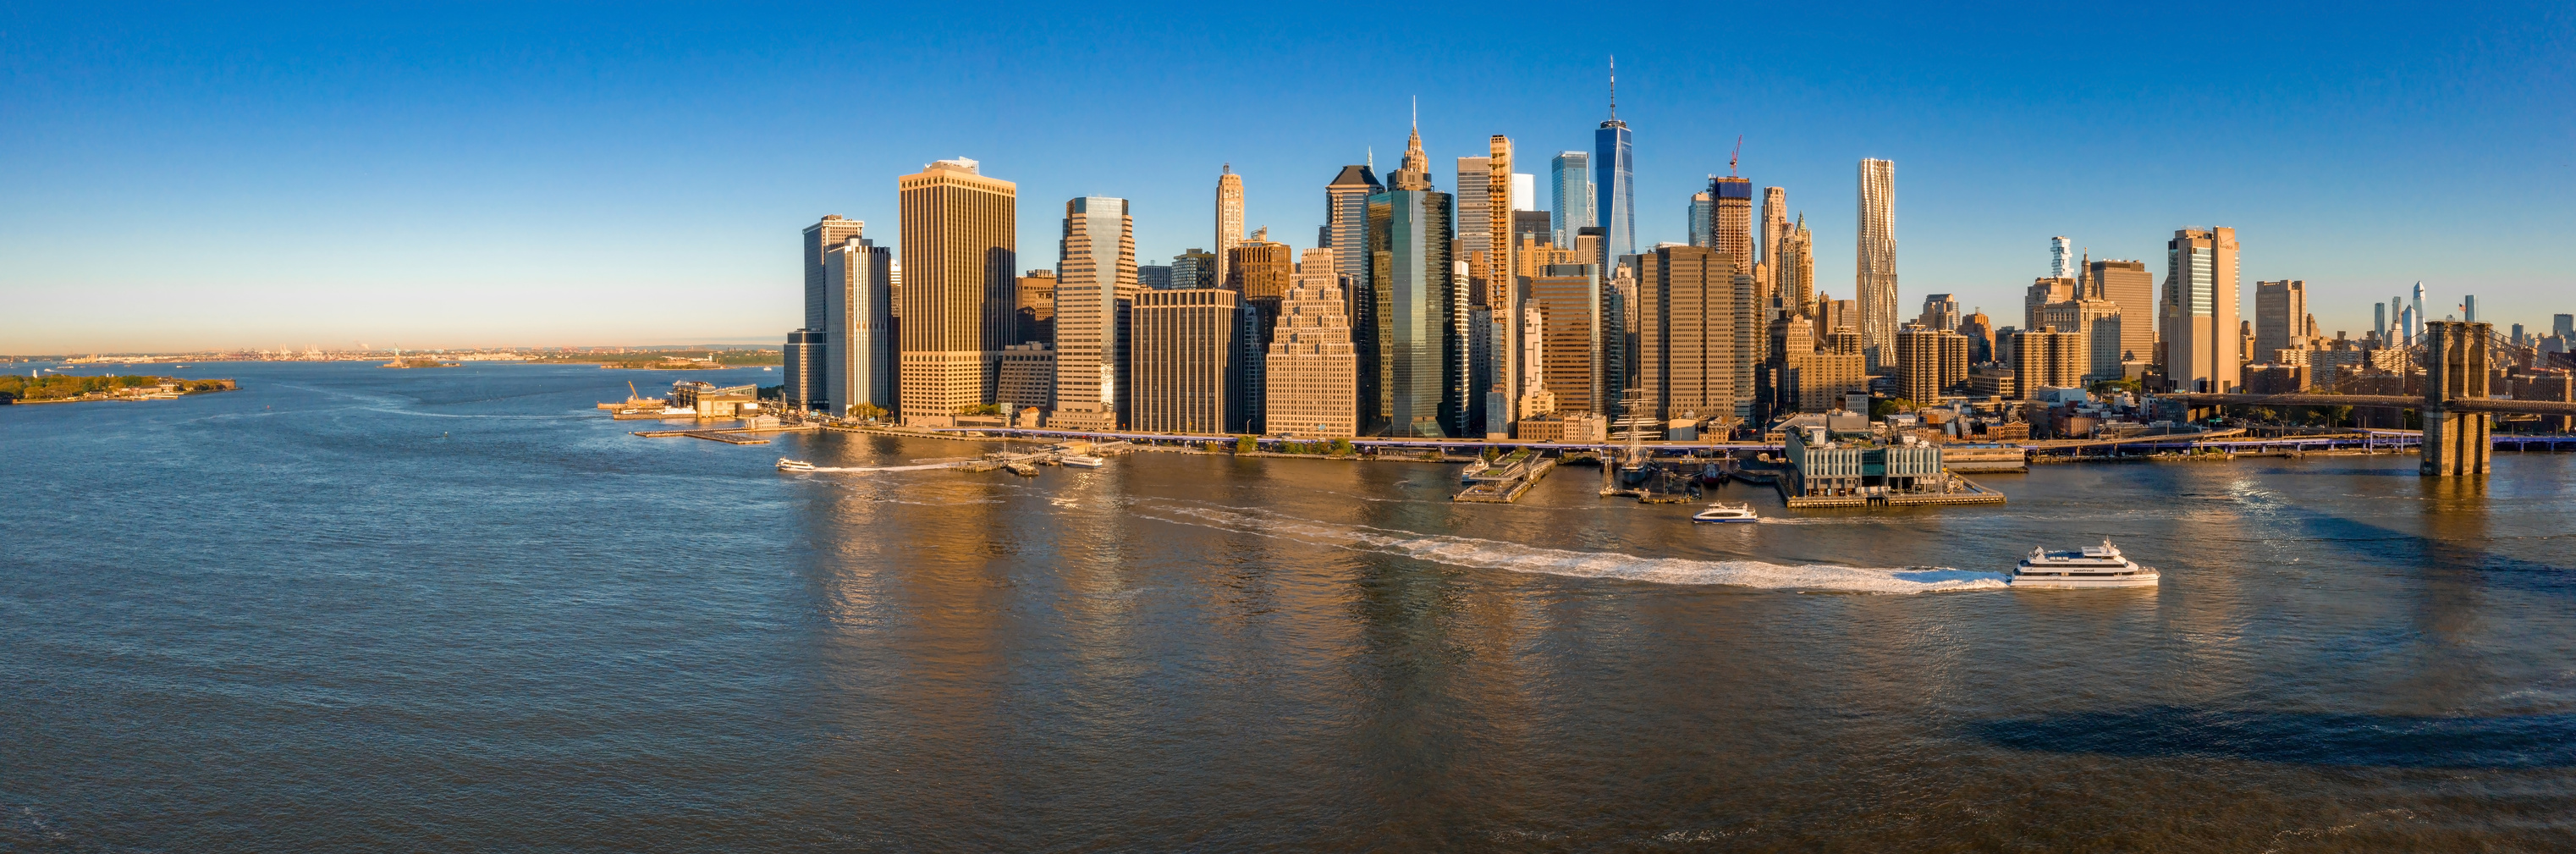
2389	401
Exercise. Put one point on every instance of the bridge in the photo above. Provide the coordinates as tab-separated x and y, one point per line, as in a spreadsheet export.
2456	403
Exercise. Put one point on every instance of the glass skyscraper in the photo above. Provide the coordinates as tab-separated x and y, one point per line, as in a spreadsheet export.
1571	179
1614	187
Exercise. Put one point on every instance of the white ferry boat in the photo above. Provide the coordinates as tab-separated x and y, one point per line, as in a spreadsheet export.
1083	461
2090	566
1725	512
785	464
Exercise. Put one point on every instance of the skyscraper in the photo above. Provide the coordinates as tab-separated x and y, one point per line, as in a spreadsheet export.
1195	268
1702	217
808	355
1311	372
2415	310
1687	333
1614	178
959	233
1096	266
1033	309
1229	216
2280	317
1570	176
1940	312
1793	269
1930	362
1731	220
1567	298
2379	322
1346	224
2201	299
2061	258
1473	213
1187	345
858	321
2127	284
1876	262
822	237
1417	344
1501	293
1775	228
1261	270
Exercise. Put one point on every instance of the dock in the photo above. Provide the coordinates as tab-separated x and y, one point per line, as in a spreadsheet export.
1507	479
1961	491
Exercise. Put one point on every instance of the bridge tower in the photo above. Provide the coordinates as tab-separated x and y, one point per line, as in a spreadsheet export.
2456	444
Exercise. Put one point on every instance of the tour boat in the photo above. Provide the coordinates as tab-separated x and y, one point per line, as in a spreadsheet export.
1725	512
2090	566
785	464
1083	461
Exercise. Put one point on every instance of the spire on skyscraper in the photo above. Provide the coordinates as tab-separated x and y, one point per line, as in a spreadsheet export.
1614	87
1414	173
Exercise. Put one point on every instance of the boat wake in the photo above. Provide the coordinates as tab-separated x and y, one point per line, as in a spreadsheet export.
1514	557
846	469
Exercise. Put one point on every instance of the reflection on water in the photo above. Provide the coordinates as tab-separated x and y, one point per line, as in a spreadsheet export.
458	609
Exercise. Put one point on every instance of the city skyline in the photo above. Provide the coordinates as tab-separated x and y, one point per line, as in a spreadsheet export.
515	241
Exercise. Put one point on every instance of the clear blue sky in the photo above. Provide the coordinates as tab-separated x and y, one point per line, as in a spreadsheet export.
437	175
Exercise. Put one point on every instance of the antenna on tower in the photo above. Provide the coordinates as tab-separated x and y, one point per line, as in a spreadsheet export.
1739	152
1614	87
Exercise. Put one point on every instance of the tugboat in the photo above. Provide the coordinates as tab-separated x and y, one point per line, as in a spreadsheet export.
785	464
1725	512
2090	566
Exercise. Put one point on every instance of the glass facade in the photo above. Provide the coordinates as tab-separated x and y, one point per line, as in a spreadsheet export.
1614	186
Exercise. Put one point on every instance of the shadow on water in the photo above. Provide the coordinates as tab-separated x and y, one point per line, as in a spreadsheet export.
2304	738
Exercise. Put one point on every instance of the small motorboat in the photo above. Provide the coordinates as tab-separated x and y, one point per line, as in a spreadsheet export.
2090	566
1084	461
785	464
1726	512
1022	468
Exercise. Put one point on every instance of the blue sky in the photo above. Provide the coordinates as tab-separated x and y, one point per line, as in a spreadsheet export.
447	175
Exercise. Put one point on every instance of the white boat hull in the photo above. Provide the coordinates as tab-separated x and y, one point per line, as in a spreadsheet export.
2142	578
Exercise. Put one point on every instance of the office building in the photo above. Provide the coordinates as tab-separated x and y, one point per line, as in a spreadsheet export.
1567	299
2061	258
2280	316
1930	363
805	383
1702	219
1027	378
1775	228
1154	277
1939	312
1813	377
1095	284
1311	373
1530	226
1614	180
2563	326
1980	331
1875	271
1229	216
1420	349
1475	216
2379	322
1259	271
1500	295
801	370
1187	344
2048	358
2044	291
1194	269
1687	333
858	327
959	233
2127	284
1793	269
1731	220
2200	303
2100	325
1033	318
1570	177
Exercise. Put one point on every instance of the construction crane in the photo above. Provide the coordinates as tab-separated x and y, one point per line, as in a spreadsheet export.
1739	152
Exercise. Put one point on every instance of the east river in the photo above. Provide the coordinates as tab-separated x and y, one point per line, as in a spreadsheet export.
348	608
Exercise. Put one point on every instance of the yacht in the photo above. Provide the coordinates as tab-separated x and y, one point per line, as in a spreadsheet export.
785	464
2090	566
1083	461
1725	512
